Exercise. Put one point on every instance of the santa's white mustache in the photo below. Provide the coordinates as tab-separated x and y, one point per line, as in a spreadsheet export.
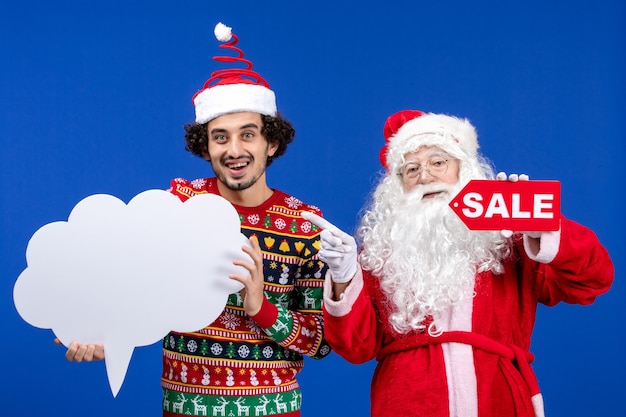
439	190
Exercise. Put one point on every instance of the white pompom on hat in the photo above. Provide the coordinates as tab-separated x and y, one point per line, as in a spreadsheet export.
407	130
235	89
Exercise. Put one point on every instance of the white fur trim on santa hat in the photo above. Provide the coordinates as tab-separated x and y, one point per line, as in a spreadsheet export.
232	98
454	135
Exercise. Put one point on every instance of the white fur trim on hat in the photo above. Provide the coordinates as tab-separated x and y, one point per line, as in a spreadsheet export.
231	98
454	135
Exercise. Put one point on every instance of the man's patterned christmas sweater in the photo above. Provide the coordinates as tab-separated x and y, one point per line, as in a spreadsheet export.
240	365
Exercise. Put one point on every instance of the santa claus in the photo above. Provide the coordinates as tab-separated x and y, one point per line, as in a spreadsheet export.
447	312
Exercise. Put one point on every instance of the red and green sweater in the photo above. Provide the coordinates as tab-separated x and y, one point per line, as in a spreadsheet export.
242	365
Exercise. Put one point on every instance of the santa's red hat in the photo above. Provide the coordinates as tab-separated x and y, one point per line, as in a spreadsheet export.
234	89
407	130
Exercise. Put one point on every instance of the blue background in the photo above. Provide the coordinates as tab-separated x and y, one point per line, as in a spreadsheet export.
93	97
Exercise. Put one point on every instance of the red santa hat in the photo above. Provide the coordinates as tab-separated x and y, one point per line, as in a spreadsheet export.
234	89
407	130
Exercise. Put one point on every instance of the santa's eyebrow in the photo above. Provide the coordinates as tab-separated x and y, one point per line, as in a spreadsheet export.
439	153
430	155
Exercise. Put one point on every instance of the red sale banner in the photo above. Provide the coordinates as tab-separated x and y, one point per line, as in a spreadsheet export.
504	205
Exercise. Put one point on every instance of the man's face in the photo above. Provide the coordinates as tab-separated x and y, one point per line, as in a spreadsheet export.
428	165
237	150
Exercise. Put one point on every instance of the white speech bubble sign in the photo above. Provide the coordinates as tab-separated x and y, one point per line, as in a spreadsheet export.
125	275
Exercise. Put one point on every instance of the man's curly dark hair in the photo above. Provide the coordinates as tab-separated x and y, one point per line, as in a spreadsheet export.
276	130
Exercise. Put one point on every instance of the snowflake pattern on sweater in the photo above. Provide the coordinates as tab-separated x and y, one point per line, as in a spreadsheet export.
240	365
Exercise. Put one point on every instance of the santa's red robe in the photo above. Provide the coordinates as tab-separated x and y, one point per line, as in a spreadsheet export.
480	365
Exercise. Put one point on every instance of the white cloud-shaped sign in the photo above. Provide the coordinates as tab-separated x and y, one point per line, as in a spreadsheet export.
125	275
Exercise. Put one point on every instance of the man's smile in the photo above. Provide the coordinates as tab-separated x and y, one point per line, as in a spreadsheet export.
236	166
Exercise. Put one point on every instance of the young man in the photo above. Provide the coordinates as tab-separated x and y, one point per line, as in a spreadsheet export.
247	361
447	312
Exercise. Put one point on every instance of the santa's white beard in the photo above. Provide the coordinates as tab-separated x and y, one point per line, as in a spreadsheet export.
425	257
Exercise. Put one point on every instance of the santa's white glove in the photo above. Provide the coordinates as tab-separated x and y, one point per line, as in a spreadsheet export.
338	249
514	178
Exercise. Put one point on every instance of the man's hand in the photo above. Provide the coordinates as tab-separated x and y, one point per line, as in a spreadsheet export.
79	353
253	292
338	249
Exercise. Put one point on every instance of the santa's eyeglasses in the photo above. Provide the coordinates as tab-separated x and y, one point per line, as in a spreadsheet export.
435	167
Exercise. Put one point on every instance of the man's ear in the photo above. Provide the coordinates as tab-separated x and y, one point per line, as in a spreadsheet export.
206	156
271	149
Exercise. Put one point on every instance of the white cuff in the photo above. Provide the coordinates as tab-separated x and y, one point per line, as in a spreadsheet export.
347	299
545	248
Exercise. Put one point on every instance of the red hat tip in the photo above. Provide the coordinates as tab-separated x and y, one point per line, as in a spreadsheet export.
392	125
